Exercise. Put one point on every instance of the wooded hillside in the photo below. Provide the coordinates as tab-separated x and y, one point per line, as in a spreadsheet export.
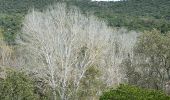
137	15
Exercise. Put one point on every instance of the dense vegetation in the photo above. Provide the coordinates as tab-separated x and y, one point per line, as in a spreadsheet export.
18	86
12	14
132	14
152	51
126	92
65	53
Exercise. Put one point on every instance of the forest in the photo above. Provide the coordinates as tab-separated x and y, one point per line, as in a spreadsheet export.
84	50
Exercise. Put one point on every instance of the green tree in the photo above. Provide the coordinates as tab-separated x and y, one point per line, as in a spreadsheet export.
151	63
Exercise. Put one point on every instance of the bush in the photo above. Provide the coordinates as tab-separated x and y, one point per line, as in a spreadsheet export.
17	86
126	92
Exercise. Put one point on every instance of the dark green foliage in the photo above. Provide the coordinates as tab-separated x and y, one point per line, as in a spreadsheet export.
12	13
126	92
11	25
17	86
22	6
132	14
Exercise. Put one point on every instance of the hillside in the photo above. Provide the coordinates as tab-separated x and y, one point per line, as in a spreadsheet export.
137	15
132	14
12	13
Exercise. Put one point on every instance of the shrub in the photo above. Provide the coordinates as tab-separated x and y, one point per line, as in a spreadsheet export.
126	92
17	86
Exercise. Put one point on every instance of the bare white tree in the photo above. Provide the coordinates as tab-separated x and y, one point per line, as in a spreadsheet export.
63	44
60	44
120	47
